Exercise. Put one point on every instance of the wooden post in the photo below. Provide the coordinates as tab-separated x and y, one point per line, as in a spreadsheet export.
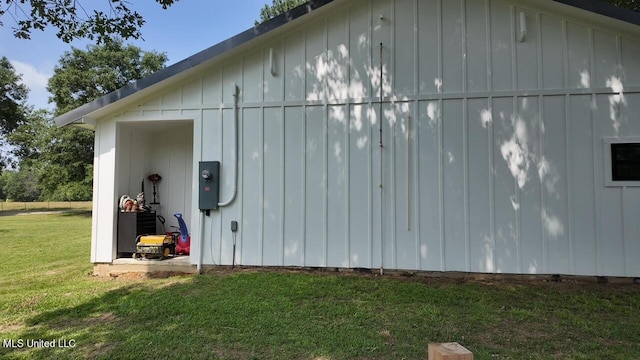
449	351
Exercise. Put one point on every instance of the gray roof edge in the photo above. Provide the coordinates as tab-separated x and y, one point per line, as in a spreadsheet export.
78	113
602	8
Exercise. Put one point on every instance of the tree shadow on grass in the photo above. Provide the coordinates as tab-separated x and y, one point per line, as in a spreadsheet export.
304	316
202	317
135	321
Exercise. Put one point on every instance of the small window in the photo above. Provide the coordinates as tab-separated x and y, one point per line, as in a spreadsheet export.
622	161
625	162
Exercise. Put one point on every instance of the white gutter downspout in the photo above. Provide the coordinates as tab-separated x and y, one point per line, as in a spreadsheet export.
235	175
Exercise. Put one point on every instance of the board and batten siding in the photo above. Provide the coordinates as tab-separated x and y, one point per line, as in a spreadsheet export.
492	148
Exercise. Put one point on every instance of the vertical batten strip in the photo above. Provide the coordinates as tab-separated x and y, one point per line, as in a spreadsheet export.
370	159
492	215
514	53
596	193
492	176
416	90
443	249
325	137
303	201
440	46
416	47
569	180
392	48
514	87
463	33
568	117
518	229
416	183
303	241
487	5
539	51
543	206
262	155
220	144
283	94
240	156
596	146
282	182
325	198
417	133
465	164
440	142
392	186
418	187
347	152
565	54
347	184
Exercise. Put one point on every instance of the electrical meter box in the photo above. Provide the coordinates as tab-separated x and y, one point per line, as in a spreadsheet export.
209	185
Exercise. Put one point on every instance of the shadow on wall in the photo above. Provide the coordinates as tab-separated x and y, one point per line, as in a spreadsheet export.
518	140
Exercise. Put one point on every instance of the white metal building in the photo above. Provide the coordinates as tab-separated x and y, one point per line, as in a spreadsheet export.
497	120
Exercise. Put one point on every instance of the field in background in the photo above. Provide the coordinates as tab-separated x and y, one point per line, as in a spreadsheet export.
45	205
47	293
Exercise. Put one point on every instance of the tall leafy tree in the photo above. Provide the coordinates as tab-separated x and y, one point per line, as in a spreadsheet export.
84	75
278	7
63	157
13	95
75	19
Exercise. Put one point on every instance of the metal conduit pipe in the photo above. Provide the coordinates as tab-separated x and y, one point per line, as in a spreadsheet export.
235	148
201	243
235	175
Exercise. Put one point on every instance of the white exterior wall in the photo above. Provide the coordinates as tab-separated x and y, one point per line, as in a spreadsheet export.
493	148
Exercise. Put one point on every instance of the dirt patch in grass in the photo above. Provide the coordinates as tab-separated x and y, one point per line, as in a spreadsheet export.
135	276
10	327
95	350
88	322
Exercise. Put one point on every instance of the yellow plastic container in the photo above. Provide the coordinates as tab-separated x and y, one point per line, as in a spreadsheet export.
155	239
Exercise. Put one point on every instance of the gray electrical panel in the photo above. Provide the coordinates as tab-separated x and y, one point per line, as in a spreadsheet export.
209	185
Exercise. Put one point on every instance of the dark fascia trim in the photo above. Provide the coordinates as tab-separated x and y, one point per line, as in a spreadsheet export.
606	9
77	114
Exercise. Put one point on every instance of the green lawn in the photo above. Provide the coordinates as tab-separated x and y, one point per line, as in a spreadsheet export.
47	292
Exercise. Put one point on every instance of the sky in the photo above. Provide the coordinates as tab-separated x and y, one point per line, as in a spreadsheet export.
187	27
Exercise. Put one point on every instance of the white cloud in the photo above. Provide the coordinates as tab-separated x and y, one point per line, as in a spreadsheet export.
36	80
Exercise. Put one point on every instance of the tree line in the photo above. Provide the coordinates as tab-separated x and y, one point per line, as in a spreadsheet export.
42	161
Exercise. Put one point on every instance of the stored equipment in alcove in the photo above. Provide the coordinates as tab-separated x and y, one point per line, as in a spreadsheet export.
209	185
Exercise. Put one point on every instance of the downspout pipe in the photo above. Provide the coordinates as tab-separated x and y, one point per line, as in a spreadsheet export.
235	175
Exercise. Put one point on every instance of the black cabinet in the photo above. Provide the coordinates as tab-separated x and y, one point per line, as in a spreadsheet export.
132	224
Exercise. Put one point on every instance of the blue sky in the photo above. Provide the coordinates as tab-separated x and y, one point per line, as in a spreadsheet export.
184	29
